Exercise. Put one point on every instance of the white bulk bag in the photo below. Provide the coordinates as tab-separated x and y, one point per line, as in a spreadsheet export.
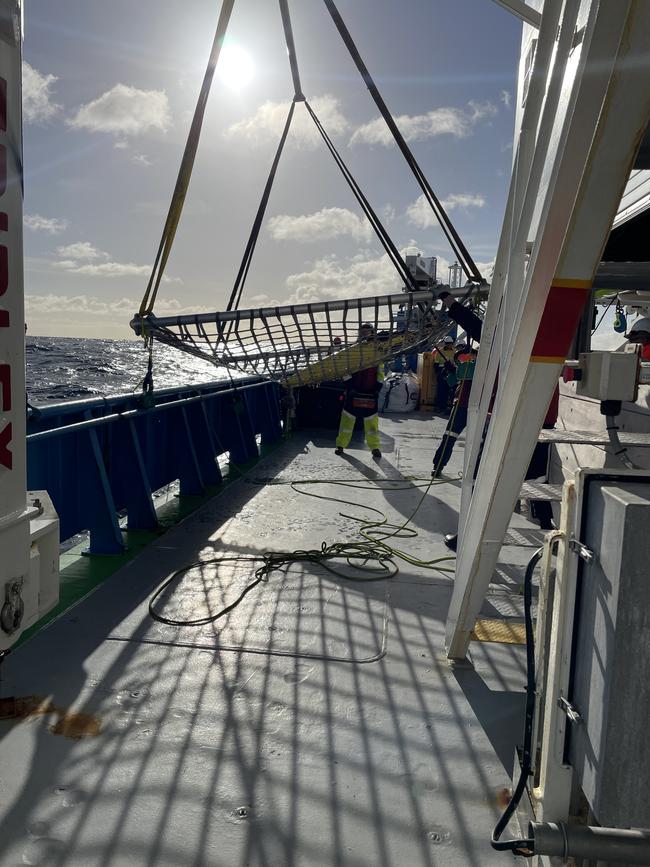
399	393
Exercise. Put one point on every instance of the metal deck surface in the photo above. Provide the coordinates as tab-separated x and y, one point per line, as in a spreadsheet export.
318	724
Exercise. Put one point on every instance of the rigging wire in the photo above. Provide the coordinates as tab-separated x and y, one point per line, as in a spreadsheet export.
599	323
187	164
463	255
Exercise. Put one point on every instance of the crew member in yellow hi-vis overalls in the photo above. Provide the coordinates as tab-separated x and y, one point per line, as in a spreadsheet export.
361	395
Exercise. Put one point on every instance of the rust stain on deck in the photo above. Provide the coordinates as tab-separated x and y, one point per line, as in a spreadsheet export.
69	724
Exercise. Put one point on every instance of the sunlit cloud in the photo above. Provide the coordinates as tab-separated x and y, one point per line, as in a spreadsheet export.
506	98
38	103
84	258
125	111
49	225
455	122
84	305
323	225
267	123
419	213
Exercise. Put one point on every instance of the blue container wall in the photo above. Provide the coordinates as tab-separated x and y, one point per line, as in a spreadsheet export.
123	451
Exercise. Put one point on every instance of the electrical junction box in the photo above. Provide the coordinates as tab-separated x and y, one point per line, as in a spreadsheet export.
26	598
608	747
609	375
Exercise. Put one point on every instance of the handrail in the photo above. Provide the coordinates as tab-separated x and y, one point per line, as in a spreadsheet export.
130	413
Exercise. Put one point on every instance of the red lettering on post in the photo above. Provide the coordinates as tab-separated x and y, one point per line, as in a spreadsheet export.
6	457
4	269
3	104
5	387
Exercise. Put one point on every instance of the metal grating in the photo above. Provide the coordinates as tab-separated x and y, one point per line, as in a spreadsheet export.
499	632
540	491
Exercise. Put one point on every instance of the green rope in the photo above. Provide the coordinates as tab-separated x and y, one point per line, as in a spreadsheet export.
371	559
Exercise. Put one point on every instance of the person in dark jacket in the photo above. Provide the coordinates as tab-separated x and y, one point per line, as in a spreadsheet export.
472	325
462	369
362	391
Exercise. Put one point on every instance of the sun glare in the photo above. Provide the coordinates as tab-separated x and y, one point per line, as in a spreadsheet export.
235	67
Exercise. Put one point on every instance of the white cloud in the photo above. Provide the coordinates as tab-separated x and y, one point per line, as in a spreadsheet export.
81	250
456	122
125	111
84	305
49	225
506	98
420	214
267	123
83	258
141	159
38	104
324	225
331	277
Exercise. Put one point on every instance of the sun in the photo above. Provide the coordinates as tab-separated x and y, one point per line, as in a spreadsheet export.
235	67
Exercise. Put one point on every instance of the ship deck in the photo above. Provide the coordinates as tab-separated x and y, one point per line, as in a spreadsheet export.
319	723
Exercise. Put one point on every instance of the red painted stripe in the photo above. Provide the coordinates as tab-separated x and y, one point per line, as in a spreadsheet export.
4	319
4	269
5	387
559	321
6	458
4	222
3	104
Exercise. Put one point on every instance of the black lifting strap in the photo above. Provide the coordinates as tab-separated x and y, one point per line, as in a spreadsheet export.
374	220
187	163
238	288
467	263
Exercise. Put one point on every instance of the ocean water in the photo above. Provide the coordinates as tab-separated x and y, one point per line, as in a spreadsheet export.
68	368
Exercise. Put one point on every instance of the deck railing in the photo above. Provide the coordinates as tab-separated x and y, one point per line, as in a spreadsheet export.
101	457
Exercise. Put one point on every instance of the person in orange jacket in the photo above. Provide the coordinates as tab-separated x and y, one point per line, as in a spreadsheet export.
362	391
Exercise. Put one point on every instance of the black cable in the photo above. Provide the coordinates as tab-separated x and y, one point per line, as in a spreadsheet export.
466	261
598	324
238	288
375	222
523	847
291	49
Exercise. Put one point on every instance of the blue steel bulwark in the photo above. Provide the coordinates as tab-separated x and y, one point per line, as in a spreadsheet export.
99	457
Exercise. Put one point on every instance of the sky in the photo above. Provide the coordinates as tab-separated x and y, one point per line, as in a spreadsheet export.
109	90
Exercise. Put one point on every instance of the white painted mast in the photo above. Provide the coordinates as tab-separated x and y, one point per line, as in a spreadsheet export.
14	512
588	105
29	538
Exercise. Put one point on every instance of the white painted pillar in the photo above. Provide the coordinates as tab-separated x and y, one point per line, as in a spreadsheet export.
602	113
14	515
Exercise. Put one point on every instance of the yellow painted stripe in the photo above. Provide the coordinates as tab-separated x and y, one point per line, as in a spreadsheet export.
547	359
571	284
499	632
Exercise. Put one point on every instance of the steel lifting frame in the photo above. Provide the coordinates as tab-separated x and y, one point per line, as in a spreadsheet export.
587	109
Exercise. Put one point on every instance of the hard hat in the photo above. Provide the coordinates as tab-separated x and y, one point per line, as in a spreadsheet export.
448	339
642	324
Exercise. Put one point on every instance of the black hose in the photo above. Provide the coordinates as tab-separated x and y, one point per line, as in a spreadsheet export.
619	449
524	846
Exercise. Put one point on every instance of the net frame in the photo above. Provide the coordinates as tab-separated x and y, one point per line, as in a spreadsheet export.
304	344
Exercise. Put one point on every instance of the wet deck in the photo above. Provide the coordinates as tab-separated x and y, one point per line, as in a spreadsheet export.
341	736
